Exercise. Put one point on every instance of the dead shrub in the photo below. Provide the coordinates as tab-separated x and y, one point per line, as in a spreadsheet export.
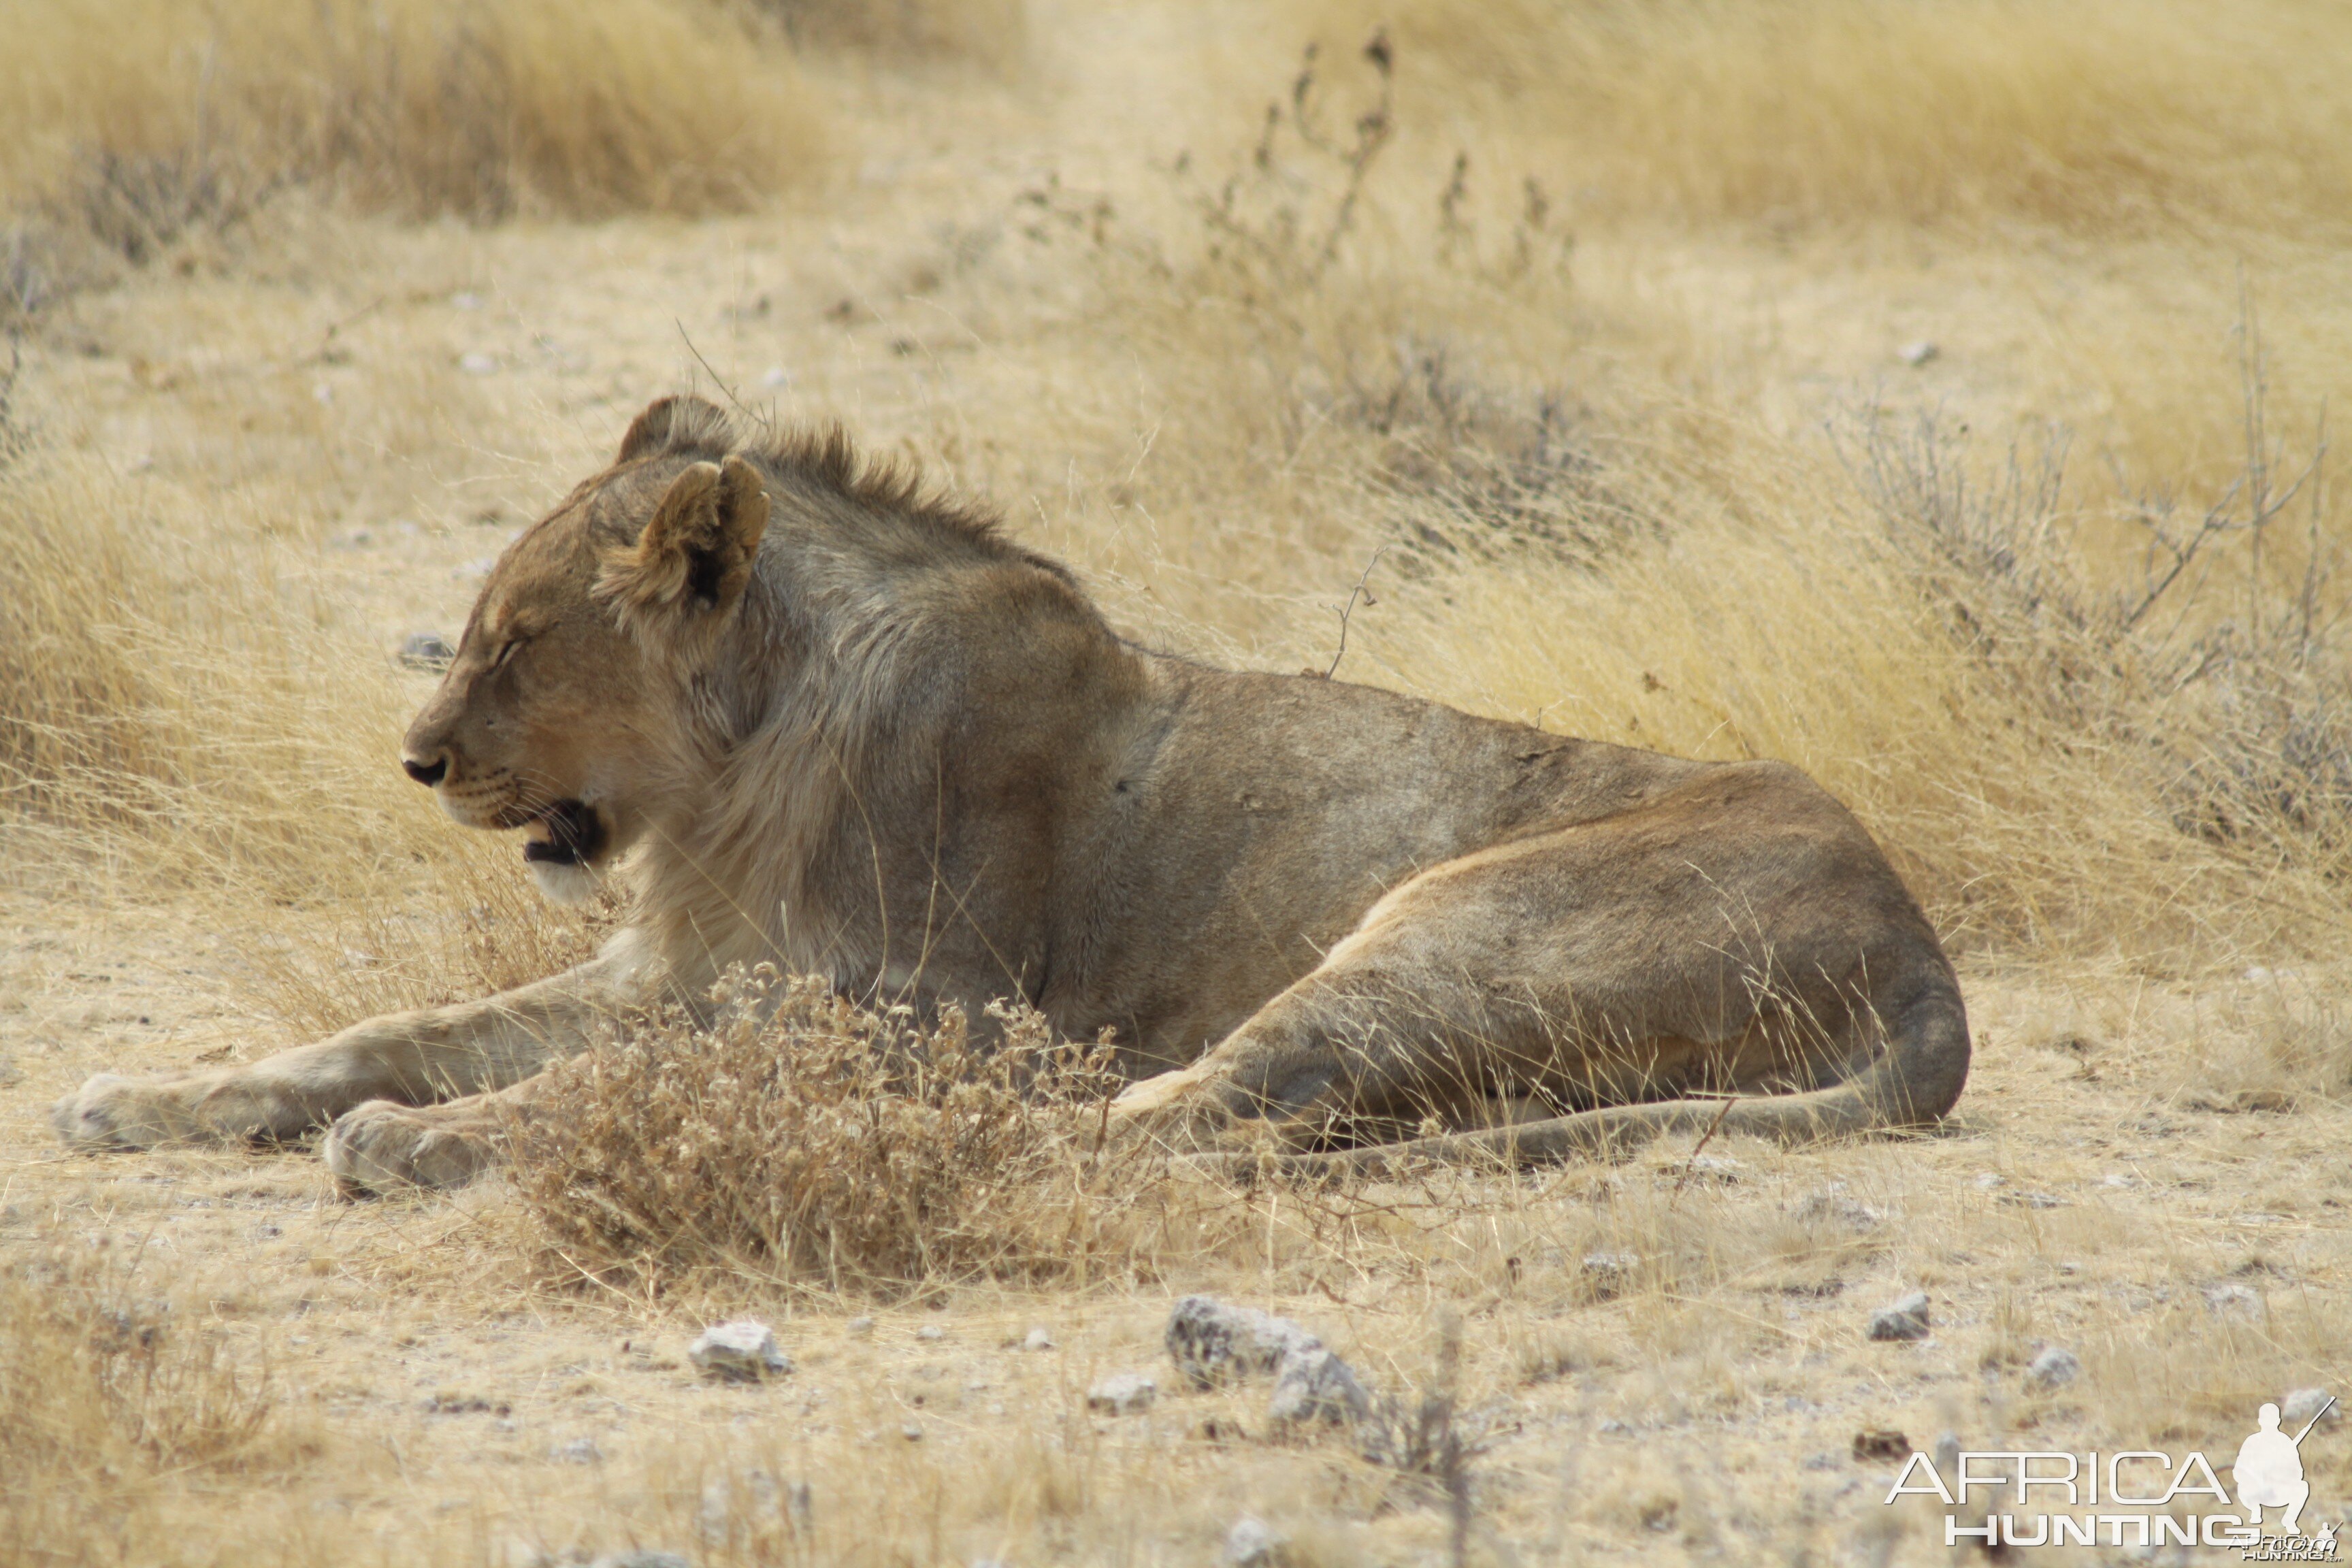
800	1137
104	1393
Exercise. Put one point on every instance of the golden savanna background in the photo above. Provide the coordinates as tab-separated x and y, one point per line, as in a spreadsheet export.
1938	395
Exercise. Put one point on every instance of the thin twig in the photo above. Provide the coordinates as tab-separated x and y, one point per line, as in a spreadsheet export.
1362	591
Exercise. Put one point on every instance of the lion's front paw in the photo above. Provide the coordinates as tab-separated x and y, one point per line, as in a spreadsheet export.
110	1111
381	1146
1177	1110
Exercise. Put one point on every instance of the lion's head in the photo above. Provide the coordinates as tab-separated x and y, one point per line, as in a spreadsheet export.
563	711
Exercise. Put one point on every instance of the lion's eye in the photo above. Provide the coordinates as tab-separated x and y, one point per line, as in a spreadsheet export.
506	651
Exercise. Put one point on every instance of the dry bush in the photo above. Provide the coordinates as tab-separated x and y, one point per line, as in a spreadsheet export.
2091	114
107	1396
129	120
800	1137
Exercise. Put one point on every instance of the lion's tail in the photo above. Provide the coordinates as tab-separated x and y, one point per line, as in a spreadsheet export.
1911	1084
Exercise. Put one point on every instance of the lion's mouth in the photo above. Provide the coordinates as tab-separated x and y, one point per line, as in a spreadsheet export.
568	833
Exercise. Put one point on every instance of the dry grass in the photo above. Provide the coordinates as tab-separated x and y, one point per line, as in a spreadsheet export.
115	1400
803	1139
125	122
2093	115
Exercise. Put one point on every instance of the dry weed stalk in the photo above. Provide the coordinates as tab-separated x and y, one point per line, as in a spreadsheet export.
797	1136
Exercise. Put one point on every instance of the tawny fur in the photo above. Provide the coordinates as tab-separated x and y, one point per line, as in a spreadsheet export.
810	717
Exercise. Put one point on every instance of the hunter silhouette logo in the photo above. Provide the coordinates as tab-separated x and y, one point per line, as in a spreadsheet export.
2012	1497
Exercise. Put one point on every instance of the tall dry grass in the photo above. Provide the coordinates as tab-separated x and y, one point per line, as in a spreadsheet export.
125	122
2091	115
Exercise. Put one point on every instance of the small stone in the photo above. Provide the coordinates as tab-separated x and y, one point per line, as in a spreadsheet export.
1878	1443
1607	1274
467	301
930	1332
477	364
1038	1339
911	1432
1714	1167
1919	354
742	1350
775	378
426	650
1254	1543
1211	1342
2032	1200
579	1451
1316	1385
2232	1296
1615	1430
1124	1393
2306	1405
2054	1368
1905	1320
860	1327
640	1557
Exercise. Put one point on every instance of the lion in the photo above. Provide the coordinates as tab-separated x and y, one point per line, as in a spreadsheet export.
798	710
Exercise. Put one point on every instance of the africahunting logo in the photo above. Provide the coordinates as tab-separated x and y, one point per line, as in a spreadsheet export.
2014	1498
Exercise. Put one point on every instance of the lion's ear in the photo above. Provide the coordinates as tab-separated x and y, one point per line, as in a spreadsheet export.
666	422
695	556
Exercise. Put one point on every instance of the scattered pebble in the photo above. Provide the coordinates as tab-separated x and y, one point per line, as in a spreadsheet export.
1919	354
860	1327
477	364
1316	1385
930	1332
1211	1342
1123	1394
2054	1368
1038	1339
467	301
911	1432
1905	1320
2233	1297
1874	1443
739	1352
1254	1543
2304	1404
2032	1200
1607	1274
775	378
426	650
640	1557
579	1451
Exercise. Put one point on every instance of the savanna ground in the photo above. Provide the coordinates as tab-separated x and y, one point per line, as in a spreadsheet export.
1593	342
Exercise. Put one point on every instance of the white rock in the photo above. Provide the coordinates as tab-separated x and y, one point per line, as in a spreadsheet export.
427	651
1038	1339
640	1557
775	378
1607	1274
2054	1368
477	364
1904	1320
1211	1342
738	1351
2304	1403
1123	1394
1316	1385
861	1326
1917	354
1254	1543
930	1332
579	1451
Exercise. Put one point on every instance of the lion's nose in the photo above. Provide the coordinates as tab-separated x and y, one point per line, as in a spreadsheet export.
427	774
